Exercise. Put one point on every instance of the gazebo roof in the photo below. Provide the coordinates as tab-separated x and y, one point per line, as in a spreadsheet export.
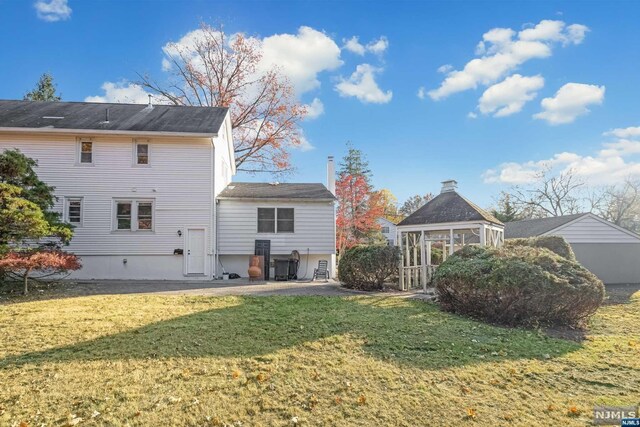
448	207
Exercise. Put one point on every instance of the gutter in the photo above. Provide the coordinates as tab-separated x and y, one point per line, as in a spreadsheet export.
49	130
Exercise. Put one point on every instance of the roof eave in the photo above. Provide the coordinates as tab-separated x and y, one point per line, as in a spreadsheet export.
48	130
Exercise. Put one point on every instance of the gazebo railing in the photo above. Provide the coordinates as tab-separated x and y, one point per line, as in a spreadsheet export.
416	277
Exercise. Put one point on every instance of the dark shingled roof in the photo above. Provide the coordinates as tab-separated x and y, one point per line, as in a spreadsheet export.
448	207
122	117
536	227
264	190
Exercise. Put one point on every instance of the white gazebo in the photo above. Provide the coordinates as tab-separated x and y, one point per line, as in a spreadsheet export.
438	229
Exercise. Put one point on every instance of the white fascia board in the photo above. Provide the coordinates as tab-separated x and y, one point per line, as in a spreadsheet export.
268	200
446	226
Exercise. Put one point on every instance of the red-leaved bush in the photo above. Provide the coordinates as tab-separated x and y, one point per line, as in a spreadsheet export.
46	262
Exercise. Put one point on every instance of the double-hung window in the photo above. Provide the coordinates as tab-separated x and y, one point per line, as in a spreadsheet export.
141	154
266	220
73	210
385	230
133	215
285	220
85	152
275	220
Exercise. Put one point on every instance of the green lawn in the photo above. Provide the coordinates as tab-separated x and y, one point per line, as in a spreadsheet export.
270	361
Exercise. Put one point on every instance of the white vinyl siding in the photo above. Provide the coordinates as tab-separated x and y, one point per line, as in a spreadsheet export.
589	229
179	183
314	228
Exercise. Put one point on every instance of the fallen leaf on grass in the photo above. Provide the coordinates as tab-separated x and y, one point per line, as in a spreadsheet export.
362	400
236	374
573	411
472	413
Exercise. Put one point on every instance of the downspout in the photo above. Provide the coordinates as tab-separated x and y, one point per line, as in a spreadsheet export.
214	225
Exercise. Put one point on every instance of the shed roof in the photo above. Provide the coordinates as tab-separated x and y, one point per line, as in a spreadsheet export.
121	117
448	207
264	190
538	226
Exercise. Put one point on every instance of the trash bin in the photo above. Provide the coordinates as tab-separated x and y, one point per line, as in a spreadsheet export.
293	268
281	269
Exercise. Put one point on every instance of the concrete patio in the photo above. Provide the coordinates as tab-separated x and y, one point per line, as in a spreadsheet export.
216	288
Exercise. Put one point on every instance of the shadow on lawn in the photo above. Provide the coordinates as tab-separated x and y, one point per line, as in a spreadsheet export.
403	331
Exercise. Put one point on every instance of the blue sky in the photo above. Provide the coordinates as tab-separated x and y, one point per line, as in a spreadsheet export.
565	92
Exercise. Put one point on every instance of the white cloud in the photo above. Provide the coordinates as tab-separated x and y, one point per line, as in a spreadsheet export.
52	10
354	46
502	50
302	56
472	115
615	162
509	96
315	109
122	92
377	47
444	69
422	93
569	102
630	132
362	85
304	145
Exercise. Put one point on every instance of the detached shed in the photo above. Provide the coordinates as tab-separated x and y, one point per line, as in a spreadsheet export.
607	250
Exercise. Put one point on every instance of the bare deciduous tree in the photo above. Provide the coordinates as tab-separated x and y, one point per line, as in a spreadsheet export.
619	204
549	195
216	70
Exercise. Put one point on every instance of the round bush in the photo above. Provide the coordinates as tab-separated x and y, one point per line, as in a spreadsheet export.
556	244
368	267
517	285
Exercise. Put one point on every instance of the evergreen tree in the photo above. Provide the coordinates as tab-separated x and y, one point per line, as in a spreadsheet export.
506	210
45	90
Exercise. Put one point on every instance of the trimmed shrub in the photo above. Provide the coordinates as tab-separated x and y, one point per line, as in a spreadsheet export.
517	285
555	244
368	267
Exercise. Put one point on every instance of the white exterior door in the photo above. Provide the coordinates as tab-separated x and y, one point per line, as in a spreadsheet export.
195	251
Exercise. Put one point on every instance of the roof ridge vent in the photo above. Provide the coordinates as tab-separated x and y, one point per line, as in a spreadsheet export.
449	186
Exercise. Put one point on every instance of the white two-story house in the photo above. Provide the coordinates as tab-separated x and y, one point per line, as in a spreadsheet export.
142	184
388	230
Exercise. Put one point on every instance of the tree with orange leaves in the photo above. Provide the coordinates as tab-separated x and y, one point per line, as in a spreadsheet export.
47	262
358	205
221	71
